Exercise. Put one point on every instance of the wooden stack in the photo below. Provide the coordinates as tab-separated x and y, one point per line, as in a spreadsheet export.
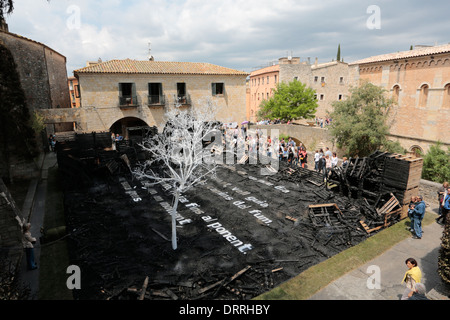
403	173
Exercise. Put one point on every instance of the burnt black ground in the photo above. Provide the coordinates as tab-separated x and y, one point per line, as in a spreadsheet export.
117	241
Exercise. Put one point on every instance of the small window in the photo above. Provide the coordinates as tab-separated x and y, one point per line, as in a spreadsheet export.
154	93
340	97
395	93
127	94
341	80
322	97
446	100
77	90
218	89
322	79
316	78
423	97
275	79
296	78
268	79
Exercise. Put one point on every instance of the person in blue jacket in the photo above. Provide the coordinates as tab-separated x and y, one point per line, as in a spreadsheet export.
418	212
446	207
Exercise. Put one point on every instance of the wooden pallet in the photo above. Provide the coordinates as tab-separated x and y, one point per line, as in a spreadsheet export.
366	227
388	206
402	172
243	159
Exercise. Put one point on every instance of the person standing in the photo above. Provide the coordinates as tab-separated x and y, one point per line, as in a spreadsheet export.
334	160
27	242
445	208
328	152
442	194
418	212
411	206
411	277
328	165
316	160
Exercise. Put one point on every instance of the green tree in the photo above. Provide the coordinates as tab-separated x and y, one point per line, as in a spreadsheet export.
436	164
338	58
359	123
290	101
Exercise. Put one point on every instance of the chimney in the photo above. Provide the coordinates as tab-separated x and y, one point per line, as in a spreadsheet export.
316	62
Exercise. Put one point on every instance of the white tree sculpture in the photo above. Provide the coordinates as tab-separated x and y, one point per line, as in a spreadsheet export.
177	156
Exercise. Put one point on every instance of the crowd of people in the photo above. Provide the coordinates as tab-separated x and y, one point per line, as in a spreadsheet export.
324	162
274	121
287	150
323	122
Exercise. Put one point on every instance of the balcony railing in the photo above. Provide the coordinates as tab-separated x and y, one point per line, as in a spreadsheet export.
183	100
128	101
156	100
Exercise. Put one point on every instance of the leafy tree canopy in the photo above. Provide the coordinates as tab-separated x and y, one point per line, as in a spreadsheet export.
359	123
290	101
436	164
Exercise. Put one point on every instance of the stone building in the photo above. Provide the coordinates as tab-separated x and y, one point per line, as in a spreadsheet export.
330	80
419	81
43	75
121	93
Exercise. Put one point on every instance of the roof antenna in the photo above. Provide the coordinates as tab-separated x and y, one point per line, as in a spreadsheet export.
150	57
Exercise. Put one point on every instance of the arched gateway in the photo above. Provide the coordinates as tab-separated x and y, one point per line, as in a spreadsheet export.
121	125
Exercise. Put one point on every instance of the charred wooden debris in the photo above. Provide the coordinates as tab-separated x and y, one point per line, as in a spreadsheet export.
381	185
84	156
326	217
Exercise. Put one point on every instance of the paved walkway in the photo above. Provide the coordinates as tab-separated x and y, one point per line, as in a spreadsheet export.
362	284
34	210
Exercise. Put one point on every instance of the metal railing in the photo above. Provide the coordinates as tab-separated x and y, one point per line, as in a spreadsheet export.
184	100
128	101
156	100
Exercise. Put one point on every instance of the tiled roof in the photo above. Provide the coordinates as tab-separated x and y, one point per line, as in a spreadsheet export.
417	52
265	70
158	67
326	64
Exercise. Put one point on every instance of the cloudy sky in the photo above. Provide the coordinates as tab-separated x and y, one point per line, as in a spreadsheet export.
239	34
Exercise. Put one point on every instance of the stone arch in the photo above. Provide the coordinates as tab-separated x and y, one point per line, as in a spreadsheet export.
423	94
416	150
446	96
396	88
120	126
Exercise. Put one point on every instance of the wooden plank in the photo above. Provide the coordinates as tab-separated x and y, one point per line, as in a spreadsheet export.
366	227
203	290
144	289
322	205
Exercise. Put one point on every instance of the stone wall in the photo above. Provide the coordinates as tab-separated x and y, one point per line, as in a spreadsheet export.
416	121
42	72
